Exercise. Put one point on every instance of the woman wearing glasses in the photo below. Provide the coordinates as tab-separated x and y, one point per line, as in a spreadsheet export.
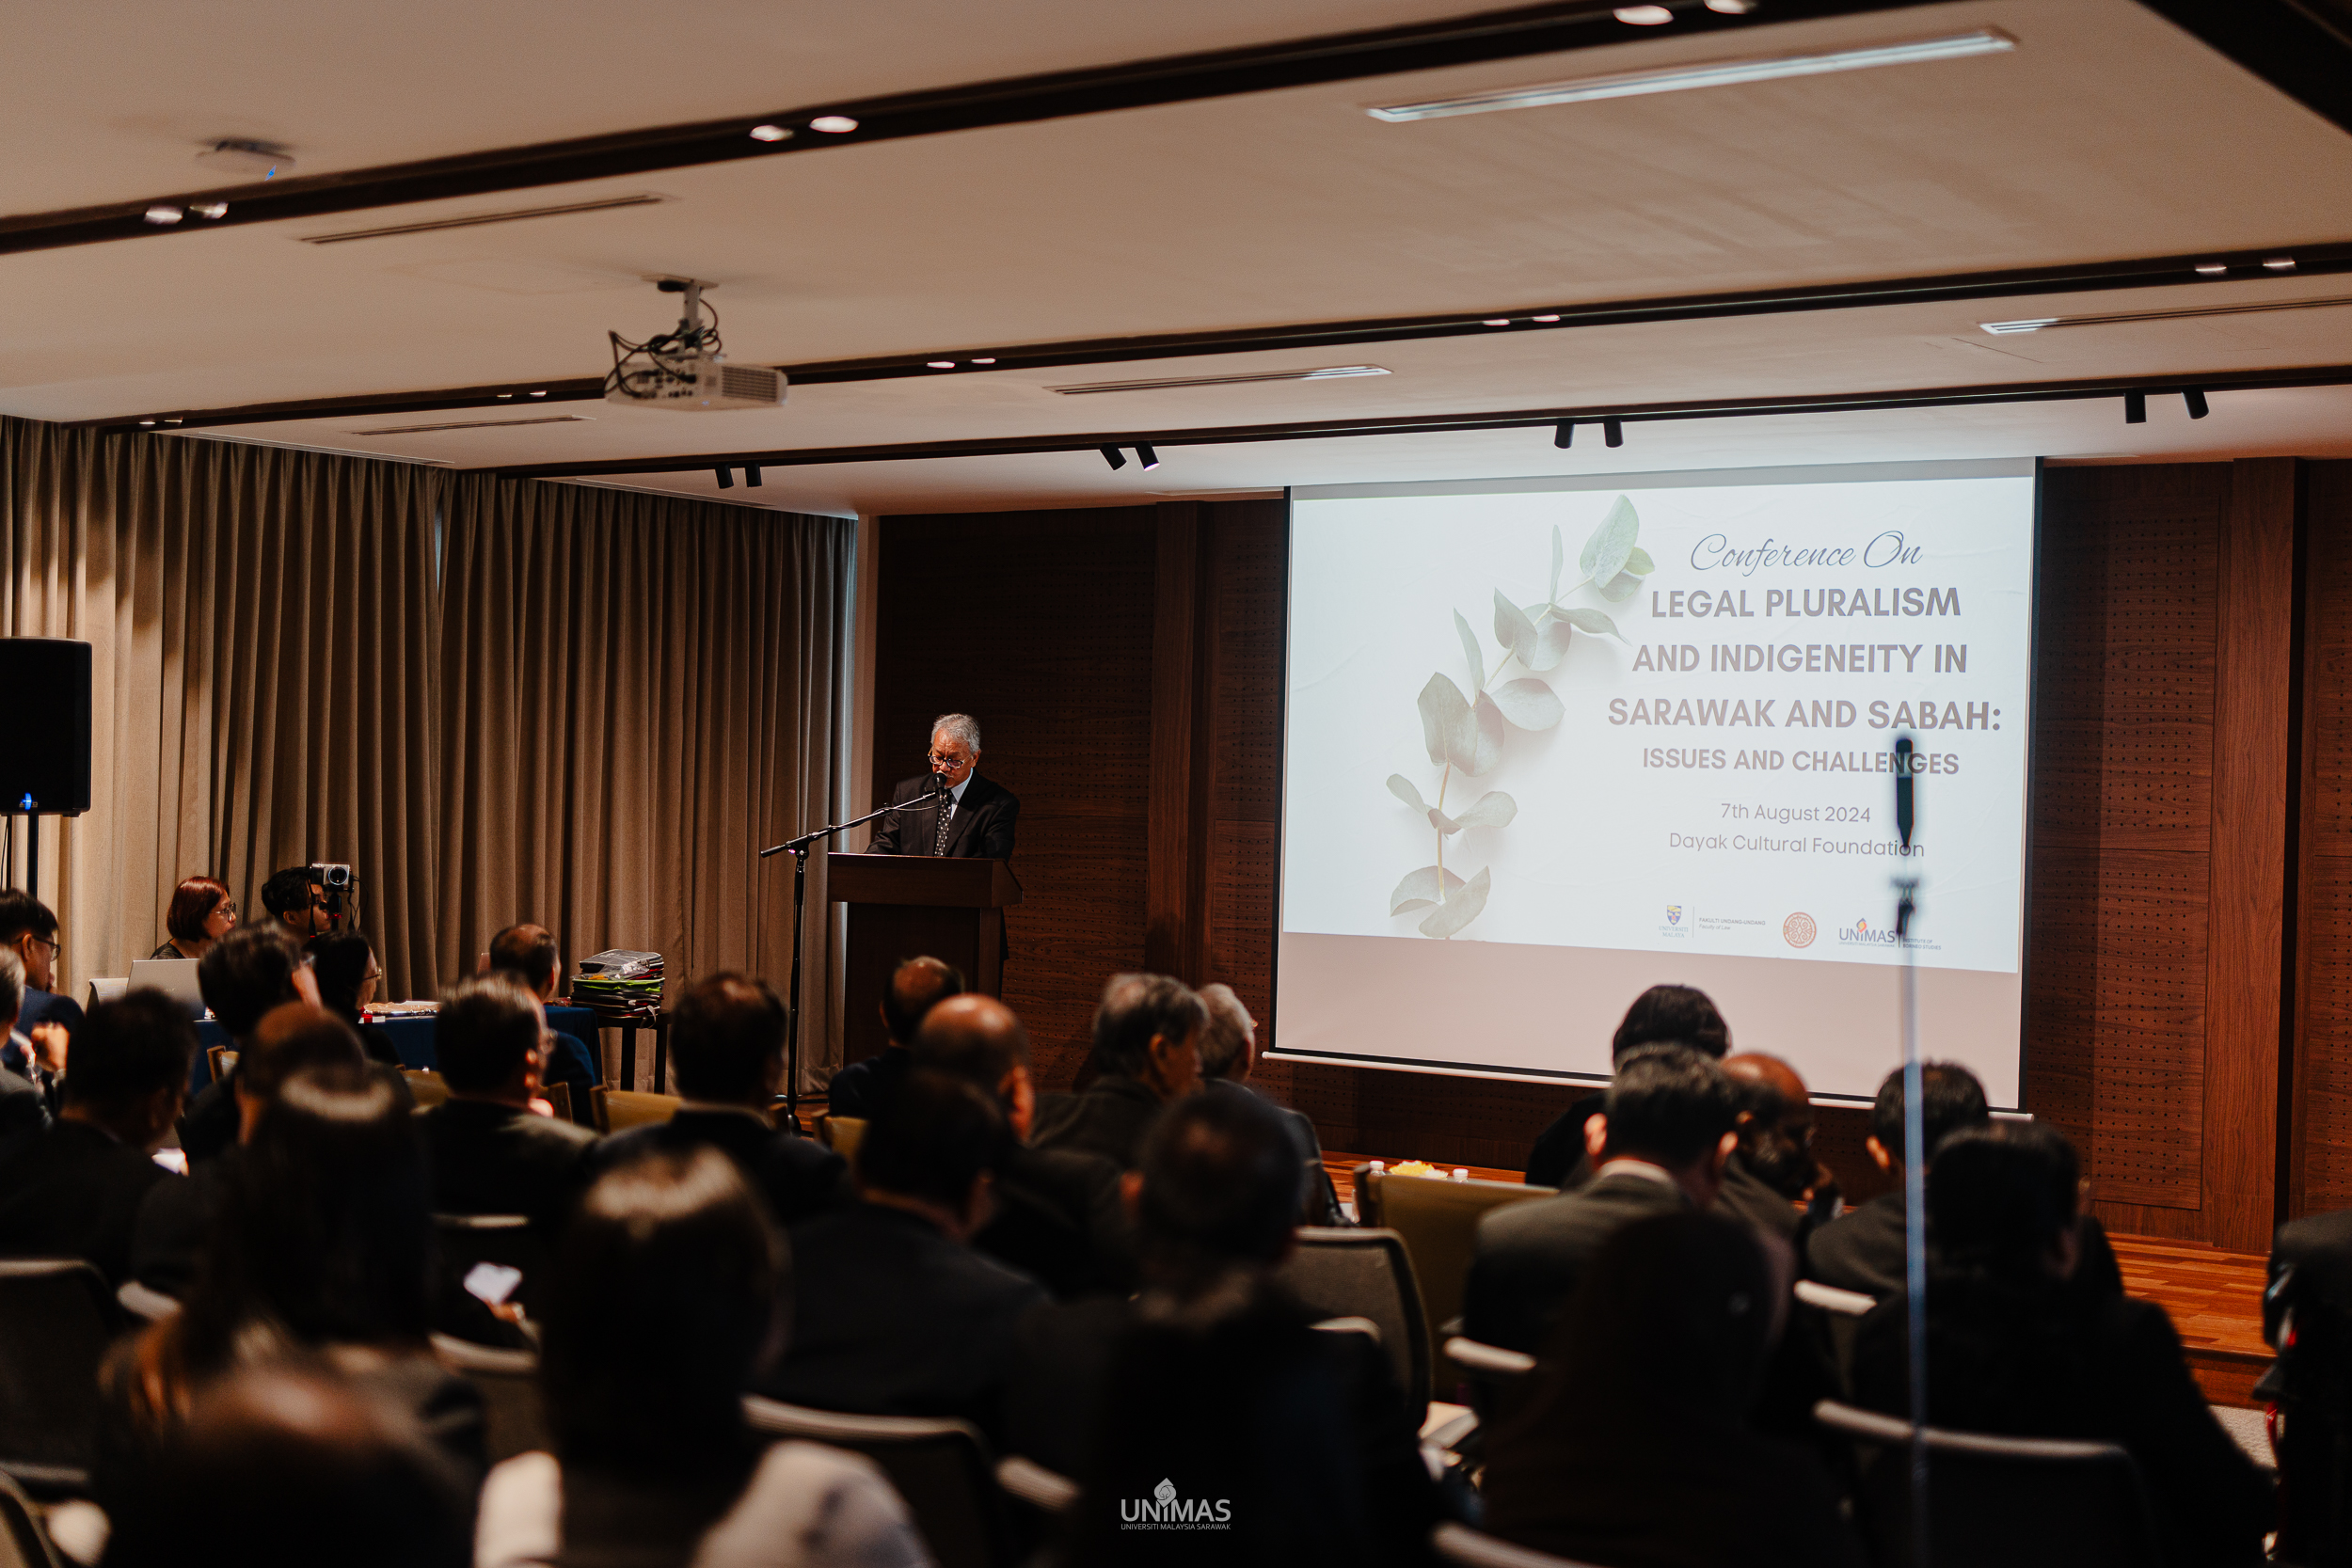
201	915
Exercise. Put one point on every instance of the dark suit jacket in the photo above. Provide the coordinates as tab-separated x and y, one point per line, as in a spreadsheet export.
24	1110
174	1221
1320	1204
1558	1159
1060	1219
37	1007
209	1127
1111	1119
1746	1197
981	829
1864	1251
1529	1256
799	1175
74	1191
862	1089
490	1159
892	1317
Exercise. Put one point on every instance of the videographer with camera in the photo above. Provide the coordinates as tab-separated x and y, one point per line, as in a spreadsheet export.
297	900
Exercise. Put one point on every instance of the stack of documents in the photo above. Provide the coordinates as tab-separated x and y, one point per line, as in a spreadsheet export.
623	987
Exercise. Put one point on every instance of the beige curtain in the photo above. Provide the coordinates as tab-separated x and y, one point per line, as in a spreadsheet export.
265	640
639	693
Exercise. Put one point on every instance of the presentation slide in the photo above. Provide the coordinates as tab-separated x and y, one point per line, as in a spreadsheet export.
1549	742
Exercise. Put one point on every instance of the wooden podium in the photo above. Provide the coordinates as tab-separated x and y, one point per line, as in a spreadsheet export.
912	906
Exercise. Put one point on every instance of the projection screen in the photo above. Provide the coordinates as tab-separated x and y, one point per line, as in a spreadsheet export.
1547	742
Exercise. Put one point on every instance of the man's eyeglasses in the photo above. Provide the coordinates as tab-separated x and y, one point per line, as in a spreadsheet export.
941	759
55	946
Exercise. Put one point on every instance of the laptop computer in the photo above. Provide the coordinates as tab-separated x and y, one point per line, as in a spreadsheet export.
174	977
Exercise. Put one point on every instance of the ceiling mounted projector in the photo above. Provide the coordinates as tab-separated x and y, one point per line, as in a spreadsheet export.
247	160
684	368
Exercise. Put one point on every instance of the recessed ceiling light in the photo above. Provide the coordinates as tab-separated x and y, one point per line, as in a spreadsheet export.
147	421
506	394
2275	263
1713	74
2187	313
161	213
1731	7
1644	16
1498	321
2004	329
988	361
940	364
834	125
769	132
1327	372
2214	269
1543	318
209	208
539	394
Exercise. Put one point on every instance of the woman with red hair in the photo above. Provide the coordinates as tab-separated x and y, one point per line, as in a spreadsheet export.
201	914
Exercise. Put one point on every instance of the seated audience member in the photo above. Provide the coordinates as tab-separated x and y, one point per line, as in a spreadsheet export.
862	1089
1864	1251
528	953
45	1018
2011	1350
296	903
893	1313
248	972
1661	1145
291	1463
1214	1378
1229	1050
1057	1212
343	965
1633	1448
24	1106
201	912
322	1243
1773	1169
1147	1042
1662	1014
488	1151
726	1046
75	1190
168	1242
664	1303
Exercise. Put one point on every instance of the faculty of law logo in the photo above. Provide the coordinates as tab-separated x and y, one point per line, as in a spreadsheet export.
1673	914
1800	930
1165	1510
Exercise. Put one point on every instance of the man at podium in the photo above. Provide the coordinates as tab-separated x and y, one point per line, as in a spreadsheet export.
950	810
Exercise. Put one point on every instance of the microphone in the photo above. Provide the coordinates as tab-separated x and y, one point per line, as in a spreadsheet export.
1905	805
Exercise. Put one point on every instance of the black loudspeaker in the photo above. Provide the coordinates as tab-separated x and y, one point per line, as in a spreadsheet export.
44	766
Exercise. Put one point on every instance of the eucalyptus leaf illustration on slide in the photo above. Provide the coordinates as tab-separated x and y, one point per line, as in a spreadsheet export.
1463	732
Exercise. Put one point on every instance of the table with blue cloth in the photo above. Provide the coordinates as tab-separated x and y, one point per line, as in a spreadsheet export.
412	1037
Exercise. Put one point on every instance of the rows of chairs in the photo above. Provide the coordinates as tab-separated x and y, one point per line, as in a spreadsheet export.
614	1110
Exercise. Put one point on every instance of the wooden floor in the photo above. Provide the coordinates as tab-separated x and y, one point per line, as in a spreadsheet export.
2215	1297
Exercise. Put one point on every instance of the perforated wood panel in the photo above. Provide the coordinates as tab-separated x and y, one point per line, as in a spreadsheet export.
2322	1154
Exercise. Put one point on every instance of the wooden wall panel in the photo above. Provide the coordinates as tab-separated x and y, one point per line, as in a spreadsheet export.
2319	1173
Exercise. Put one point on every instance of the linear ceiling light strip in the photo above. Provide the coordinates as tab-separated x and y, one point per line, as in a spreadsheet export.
476	220
2045	323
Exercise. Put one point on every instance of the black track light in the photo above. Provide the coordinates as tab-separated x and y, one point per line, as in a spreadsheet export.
1613	431
1115	458
1149	458
2195	398
751	475
2135	408
726	478
1564	435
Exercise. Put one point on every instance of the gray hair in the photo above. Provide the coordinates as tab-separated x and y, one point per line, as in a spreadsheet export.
11	984
1137	1007
958	726
1227	1037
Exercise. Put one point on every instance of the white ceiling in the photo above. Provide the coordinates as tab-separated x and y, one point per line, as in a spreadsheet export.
2107	133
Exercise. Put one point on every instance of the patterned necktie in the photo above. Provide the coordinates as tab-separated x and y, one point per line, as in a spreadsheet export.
946	811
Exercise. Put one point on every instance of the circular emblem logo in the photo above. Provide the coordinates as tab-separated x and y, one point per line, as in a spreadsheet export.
1800	930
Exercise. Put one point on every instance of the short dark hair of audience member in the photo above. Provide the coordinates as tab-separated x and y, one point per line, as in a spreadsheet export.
30	927
289	1463
1678	1015
252	970
343	963
2007	1199
661	1308
488	1033
1673	1107
1218	1190
528	953
726	1041
915	988
292	1037
934	1149
296	901
978	1039
11	989
1951	1101
129	1067
188	921
1148	1027
1228	1044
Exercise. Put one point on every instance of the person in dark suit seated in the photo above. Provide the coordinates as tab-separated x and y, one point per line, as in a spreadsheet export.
2012	1349
168	1242
978	817
200	914
1773	1168
343	965
1635	1443
23	1108
323	1246
1057	1212
46	1019
1147	1042
1665	1132
297	904
1215	1379
893	1313
247	973
1229	1051
664	1303
74	1191
1864	1251
726	1046
1662	1014
862	1089
528	953
488	1151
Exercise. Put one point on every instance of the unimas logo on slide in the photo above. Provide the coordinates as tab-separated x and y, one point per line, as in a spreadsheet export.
1165	1510
1862	930
1800	930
